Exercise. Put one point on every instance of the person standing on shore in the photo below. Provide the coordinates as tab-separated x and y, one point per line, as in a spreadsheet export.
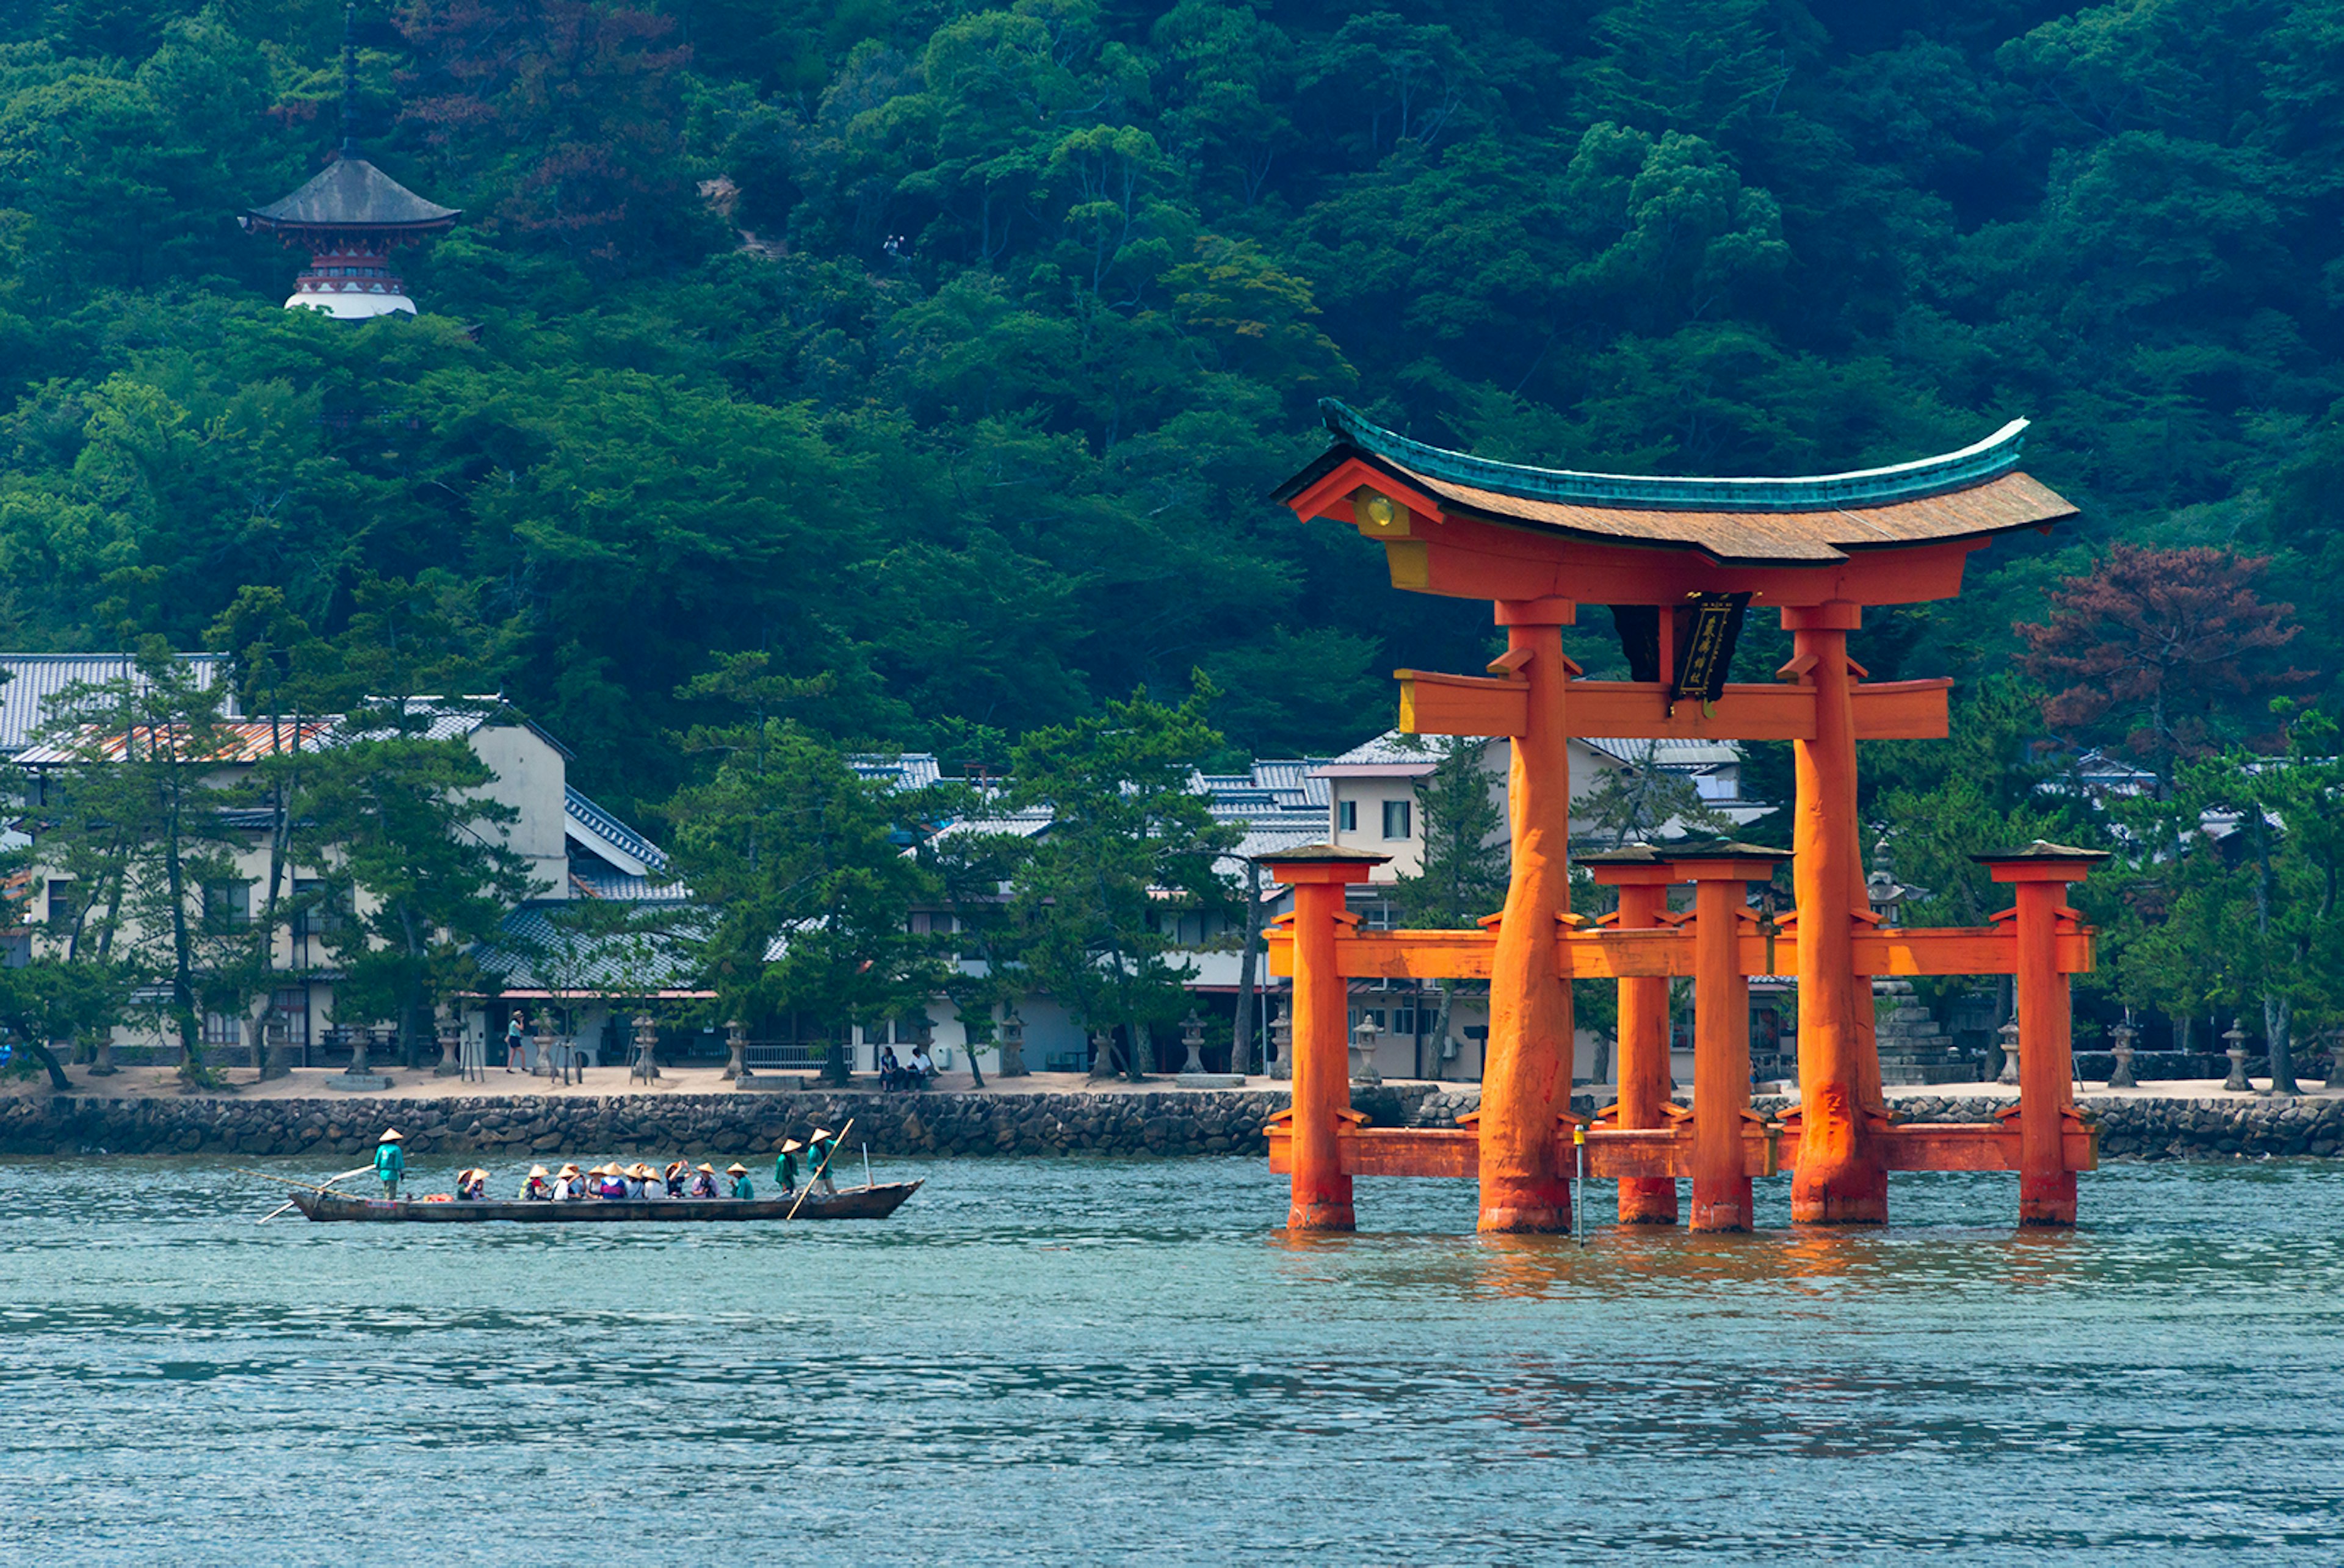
390	1164
513	1051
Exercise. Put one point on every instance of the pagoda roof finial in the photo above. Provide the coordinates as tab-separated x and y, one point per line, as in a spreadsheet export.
349	79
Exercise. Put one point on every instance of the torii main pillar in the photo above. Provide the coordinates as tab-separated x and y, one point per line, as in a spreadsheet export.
1526	1069
1841	1178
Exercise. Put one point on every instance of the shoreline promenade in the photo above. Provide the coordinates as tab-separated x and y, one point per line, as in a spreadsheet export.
141	1110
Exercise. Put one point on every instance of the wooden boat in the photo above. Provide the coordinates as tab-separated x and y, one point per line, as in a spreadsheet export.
849	1203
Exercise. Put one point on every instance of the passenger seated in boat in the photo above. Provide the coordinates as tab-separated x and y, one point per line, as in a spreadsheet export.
614	1183
643	1181
537	1187
741	1187
679	1177
471	1186
570	1182
704	1181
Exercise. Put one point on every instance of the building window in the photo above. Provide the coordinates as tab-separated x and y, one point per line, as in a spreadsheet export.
62	903
292	1005
1347	816
1396	819
228	905
18	951
223	1029
322	907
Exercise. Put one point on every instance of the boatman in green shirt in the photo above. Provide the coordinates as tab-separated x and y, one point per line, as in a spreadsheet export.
785	1165
821	1148
741	1184
390	1164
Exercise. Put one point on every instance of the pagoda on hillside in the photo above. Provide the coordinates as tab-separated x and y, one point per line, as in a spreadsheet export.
349	218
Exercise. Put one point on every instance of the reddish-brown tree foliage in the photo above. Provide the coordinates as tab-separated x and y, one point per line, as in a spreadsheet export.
2168	641
567	114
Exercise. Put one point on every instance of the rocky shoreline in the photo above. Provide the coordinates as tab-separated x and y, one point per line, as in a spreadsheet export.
1137	1123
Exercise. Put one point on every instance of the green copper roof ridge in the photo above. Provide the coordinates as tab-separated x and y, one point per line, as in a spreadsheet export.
1974	464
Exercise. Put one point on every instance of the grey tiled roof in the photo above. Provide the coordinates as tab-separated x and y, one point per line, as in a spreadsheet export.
907	770
595	823
352	193
537	952
36	677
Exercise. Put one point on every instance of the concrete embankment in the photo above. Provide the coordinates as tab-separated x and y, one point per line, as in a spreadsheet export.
1092	1123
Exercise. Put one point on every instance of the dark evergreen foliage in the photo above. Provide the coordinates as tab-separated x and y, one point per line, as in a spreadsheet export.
943	356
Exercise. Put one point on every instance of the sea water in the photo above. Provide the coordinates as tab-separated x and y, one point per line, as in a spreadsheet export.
1064	1361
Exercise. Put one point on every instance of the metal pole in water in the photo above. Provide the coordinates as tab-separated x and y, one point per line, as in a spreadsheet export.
866	1164
1578	1186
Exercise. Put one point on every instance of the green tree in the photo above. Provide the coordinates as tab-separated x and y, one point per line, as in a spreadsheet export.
414	869
1467	855
808	868
1129	840
141	837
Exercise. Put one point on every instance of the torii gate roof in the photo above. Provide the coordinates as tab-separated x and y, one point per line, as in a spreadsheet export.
1810	520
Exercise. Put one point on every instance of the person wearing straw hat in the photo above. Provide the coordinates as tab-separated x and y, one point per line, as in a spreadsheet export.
390	1163
648	1184
568	1182
822	1149
678	1174
471	1186
536	1188
613	1182
785	1165
742	1186
704	1181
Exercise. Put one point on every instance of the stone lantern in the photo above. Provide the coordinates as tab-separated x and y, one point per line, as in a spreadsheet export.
452	1041
736	1044
544	1067
2122	1079
1282	1041
276	1059
646	1066
1363	1052
2236	1038
2009	1035
1013	1046
1192	1038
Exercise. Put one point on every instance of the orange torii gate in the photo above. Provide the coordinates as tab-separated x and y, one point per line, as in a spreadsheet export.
1679	560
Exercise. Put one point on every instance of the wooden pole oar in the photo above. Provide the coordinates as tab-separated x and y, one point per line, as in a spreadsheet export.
826	1166
281	1207
305	1186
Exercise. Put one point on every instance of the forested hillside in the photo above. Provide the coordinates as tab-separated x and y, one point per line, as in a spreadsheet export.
946	353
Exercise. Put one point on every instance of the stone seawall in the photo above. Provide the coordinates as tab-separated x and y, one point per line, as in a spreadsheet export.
1110	1123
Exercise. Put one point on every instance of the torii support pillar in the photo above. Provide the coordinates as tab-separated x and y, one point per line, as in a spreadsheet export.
1322	1018
1644	881
2046	1070
1720	1046
1526	1069
1842	1178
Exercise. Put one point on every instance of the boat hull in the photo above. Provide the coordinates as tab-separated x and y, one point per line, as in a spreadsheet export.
850	1203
